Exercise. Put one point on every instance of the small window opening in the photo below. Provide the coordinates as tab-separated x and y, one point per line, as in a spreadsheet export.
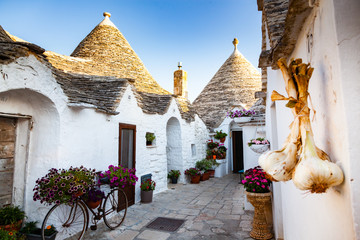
193	150
150	139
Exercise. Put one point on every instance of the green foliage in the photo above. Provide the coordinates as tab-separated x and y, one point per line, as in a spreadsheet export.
150	137
204	165
220	135
174	174
10	215
192	172
31	228
11	235
148	185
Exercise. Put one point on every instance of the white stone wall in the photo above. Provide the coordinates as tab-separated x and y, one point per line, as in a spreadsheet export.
333	88
62	137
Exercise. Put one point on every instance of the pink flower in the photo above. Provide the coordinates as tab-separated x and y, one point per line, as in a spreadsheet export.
253	189
263	186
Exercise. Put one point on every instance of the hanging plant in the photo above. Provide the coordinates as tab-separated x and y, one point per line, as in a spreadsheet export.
312	170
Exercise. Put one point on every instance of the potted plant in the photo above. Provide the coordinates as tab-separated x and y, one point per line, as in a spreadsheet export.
211	144
11	218
150	137
63	186
241	116
147	188
174	175
194	174
204	166
259	145
118	176
220	136
214	165
257	187
32	232
93	197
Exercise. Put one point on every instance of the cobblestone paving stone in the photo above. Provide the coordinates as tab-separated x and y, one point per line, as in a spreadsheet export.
213	210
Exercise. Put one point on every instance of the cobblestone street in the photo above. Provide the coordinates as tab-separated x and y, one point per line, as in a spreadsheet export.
212	209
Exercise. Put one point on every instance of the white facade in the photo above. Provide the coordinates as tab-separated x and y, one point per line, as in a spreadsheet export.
334	53
54	135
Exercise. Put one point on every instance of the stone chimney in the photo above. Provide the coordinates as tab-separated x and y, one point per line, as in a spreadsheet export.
180	82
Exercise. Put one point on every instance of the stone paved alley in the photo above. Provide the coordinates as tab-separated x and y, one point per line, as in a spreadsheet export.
213	210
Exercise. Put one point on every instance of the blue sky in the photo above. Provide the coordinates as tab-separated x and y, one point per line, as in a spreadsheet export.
199	33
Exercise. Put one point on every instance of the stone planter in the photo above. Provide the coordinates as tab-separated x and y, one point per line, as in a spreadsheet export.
242	119
260	229
146	196
31	236
260	148
195	179
220	171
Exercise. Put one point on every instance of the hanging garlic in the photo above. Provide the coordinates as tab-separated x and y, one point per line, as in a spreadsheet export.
281	163
313	173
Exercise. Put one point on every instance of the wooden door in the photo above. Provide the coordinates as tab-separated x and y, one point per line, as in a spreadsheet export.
7	150
238	153
127	149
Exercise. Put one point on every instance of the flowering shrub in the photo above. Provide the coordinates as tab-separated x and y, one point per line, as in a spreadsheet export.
94	195
192	172
211	144
258	141
120	176
174	174
255	181
240	113
148	185
8	235
61	186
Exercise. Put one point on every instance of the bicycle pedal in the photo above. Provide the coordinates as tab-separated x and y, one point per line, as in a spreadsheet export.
93	227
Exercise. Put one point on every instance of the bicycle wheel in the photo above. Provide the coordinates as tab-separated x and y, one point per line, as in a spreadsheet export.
115	208
69	221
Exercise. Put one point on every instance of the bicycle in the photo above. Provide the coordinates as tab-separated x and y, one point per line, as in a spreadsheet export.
72	220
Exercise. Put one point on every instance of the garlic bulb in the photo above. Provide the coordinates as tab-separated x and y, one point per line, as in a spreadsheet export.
313	173
281	163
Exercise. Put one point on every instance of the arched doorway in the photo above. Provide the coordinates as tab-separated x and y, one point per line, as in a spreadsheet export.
174	145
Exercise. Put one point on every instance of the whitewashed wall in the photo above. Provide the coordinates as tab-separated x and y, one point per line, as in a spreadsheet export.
333	88
62	137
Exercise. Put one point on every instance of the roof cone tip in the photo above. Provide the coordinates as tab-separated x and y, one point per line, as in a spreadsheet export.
106	14
235	42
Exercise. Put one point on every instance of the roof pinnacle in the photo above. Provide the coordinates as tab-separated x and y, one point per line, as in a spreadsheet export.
106	14
235	42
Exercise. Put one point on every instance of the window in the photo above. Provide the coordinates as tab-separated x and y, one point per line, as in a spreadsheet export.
150	139
193	150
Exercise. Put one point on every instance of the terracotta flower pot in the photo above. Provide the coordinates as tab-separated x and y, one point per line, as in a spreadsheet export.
222	140
146	196
205	176
12	227
211	173
92	204
260	229
195	179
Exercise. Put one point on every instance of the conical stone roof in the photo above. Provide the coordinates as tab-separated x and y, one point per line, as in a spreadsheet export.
234	84
106	52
